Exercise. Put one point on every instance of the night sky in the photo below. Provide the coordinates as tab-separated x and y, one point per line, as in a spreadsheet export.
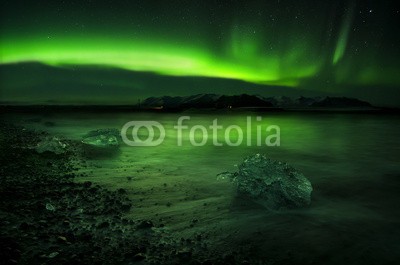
113	52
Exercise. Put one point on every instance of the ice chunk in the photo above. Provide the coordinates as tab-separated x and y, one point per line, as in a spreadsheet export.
51	145
102	141
273	184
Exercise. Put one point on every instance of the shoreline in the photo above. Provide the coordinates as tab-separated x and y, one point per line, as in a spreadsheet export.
47	217
5	108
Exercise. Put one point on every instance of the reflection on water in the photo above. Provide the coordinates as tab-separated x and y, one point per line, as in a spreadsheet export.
339	144
352	160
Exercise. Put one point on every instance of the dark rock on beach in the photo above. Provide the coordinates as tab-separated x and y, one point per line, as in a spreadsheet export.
47	217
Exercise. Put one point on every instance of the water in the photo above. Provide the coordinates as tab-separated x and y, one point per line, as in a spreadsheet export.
352	160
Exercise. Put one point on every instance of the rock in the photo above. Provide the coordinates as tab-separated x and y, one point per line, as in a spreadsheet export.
50	207
184	254
145	224
87	184
139	257
24	226
51	145
273	184
62	238
103	225
224	176
121	191
53	255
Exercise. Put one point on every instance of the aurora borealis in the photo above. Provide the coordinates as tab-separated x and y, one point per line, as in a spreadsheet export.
167	59
304	45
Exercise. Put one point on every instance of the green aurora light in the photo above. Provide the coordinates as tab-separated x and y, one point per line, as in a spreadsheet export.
343	36
163	57
278	43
